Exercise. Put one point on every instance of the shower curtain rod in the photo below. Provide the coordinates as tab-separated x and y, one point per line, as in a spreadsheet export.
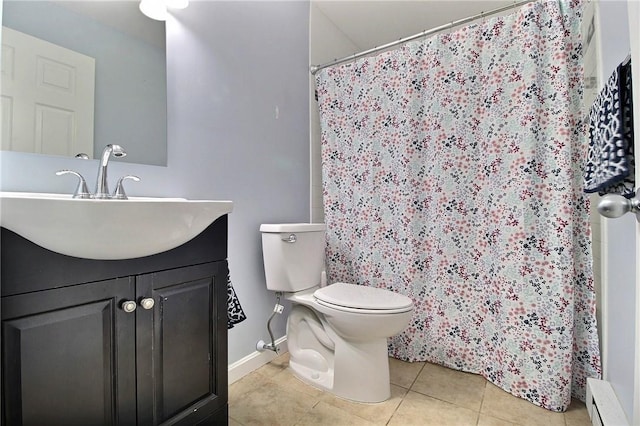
315	68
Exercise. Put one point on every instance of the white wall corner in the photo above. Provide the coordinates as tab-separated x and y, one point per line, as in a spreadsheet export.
255	360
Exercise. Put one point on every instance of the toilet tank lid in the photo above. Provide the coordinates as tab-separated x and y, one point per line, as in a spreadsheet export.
292	227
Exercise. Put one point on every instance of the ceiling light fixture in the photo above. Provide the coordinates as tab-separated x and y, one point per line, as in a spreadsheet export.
177	4
157	9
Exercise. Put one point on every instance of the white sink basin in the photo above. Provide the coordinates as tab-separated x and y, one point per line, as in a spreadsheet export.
107	229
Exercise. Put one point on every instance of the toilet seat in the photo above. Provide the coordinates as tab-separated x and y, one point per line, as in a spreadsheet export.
362	299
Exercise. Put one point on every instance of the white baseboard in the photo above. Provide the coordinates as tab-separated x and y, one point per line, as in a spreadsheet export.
603	405
255	360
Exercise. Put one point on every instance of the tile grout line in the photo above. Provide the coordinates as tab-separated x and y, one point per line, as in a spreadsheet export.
406	393
395	410
417	375
484	392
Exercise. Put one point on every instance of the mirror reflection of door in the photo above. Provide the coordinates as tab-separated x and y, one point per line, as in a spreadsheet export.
47	97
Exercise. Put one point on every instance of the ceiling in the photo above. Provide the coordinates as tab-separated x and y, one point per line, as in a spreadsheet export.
123	15
366	23
375	22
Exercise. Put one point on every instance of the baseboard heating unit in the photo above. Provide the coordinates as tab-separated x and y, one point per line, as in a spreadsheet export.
603	405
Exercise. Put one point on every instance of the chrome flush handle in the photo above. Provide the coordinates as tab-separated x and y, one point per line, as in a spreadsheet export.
290	239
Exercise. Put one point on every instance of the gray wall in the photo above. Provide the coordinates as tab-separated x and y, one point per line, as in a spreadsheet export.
231	65
619	249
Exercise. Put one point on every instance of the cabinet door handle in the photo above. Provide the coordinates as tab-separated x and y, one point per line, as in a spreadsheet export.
147	303
128	306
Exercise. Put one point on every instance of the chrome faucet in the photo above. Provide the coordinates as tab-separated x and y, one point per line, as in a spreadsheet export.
102	187
82	191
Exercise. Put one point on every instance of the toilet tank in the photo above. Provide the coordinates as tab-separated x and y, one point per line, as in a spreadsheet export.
293	255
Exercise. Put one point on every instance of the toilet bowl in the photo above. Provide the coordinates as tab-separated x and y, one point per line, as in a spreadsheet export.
354	340
337	334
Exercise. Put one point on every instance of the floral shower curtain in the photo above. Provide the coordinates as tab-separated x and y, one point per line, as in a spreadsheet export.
452	174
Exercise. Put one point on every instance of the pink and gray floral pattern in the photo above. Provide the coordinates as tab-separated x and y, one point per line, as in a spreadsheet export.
452	174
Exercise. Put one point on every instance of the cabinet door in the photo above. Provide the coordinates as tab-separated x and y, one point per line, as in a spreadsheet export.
181	345
61	352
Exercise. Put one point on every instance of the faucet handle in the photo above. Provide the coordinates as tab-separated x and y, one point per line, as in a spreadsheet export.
119	193
82	191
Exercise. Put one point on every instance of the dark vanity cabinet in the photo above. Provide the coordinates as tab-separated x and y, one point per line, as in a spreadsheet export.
138	341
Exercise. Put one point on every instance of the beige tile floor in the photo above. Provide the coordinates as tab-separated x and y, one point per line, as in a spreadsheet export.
421	394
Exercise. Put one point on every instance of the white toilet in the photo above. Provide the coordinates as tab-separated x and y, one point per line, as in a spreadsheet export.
337	334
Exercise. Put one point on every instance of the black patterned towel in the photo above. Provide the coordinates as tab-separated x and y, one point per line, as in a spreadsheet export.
610	166
235	314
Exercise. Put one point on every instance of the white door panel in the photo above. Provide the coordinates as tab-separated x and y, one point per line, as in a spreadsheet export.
47	96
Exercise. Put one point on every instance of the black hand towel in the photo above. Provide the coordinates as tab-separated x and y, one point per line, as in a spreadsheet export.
610	166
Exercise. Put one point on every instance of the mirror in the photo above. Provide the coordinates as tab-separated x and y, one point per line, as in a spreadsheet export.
129	94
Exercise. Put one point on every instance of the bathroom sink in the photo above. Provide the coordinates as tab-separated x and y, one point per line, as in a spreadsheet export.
107	229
